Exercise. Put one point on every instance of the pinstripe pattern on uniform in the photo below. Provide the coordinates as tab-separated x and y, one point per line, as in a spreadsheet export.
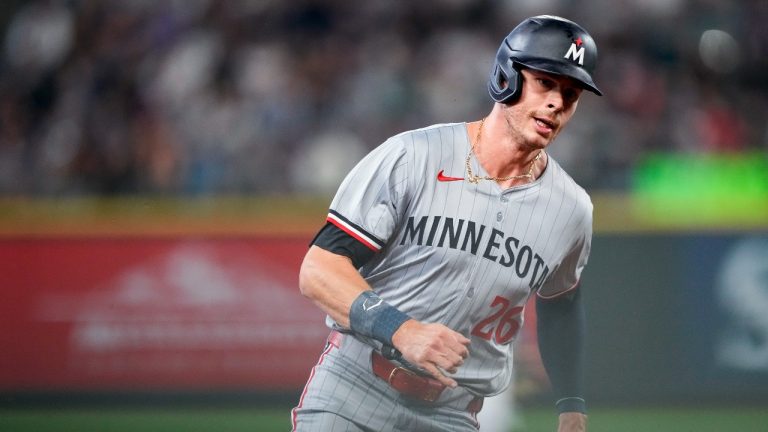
482	246
342	394
542	234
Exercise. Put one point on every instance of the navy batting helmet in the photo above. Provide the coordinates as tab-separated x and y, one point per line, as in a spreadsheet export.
546	43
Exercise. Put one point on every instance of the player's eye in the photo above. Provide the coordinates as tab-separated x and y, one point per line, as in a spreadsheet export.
571	95
545	83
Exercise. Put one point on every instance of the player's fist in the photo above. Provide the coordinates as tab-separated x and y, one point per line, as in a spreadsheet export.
433	347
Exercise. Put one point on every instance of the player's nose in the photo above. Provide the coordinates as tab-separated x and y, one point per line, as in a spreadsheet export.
555	100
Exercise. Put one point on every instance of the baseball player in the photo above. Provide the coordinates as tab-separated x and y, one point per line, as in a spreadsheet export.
433	244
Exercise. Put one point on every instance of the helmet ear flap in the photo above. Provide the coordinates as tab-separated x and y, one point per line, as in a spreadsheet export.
515	83
505	82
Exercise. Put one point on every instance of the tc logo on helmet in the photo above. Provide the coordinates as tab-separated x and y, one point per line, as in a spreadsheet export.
576	52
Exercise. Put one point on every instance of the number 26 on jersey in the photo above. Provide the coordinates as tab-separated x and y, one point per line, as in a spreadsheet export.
502	324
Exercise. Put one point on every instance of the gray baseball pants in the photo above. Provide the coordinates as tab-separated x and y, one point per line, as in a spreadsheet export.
343	394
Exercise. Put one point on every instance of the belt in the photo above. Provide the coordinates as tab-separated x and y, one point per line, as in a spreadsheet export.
404	380
410	384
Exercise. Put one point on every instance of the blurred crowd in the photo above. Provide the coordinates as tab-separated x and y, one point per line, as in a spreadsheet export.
191	97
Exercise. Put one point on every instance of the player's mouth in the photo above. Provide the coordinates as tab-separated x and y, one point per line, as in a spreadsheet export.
545	126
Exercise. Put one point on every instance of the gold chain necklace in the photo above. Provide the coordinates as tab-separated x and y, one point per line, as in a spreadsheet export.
474	179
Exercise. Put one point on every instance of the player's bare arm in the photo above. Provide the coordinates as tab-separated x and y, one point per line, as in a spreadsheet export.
333	284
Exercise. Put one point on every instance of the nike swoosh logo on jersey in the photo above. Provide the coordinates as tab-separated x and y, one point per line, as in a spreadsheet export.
444	178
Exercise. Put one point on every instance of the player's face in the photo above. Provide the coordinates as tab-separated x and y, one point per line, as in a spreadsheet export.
547	102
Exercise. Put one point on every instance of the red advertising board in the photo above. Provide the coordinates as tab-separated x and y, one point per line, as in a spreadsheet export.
146	313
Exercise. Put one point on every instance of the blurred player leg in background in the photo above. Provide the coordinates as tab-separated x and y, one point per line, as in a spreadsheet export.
499	413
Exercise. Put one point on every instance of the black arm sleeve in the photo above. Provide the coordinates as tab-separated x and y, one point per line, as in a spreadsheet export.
333	239
560	328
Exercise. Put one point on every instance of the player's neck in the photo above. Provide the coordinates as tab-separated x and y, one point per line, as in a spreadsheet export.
502	156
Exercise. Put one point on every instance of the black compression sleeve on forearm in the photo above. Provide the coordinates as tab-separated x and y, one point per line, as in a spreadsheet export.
560	328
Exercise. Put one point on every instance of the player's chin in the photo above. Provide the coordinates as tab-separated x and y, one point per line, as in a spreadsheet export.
540	142
545	139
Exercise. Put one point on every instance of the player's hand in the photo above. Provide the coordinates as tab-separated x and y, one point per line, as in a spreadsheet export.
572	422
433	347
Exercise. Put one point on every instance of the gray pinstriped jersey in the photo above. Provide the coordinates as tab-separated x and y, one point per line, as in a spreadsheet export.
461	254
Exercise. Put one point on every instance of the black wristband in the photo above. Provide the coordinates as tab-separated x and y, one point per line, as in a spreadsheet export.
571	404
371	316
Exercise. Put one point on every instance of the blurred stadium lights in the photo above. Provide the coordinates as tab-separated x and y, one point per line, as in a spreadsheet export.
719	51
677	190
203	99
